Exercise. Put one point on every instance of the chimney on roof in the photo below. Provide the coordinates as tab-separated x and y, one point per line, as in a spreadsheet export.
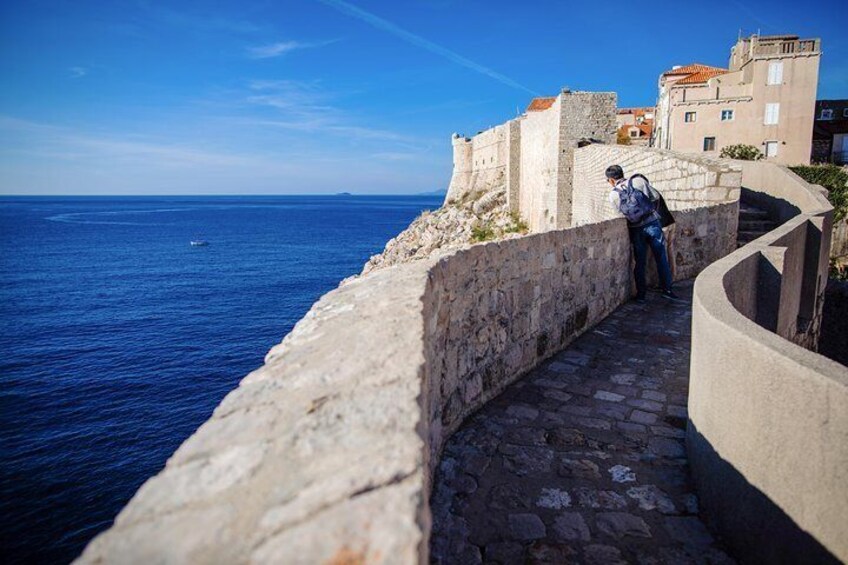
675	67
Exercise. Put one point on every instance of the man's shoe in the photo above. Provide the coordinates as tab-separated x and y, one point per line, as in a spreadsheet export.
671	297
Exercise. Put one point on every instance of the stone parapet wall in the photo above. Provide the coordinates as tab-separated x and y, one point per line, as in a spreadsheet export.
768	430
839	242
317	456
495	311
326	453
685	182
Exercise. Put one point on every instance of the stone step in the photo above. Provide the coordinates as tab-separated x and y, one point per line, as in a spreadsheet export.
753	214
756	225
746	236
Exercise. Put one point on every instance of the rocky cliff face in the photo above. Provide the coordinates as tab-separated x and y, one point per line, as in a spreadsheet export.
477	217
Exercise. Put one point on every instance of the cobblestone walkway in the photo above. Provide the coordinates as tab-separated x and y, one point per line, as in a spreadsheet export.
582	460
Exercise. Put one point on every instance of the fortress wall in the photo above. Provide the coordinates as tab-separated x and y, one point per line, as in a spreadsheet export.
584	117
326	453
494	311
533	157
480	163
540	168
768	430
685	182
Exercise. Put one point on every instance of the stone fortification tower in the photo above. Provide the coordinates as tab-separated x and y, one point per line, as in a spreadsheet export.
531	157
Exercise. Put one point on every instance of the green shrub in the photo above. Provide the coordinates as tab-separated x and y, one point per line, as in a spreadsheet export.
834	179
482	233
742	152
838	271
518	225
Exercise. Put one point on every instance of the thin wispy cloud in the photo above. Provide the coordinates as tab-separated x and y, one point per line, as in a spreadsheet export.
39	158
387	26
307	107
77	144
304	100
280	48
77	72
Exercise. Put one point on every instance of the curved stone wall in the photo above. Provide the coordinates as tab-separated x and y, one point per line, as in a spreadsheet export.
325	454
768	431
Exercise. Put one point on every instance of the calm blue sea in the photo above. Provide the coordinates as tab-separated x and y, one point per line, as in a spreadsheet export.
117	338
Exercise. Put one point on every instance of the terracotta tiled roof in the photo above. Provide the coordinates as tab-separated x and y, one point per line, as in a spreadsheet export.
645	128
701	76
538	104
690	69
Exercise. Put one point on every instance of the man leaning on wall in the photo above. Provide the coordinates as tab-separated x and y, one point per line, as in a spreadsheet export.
641	204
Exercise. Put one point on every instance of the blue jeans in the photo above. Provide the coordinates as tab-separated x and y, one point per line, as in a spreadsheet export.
650	235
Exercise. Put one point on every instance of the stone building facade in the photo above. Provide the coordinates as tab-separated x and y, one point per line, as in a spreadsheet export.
766	98
830	132
533	155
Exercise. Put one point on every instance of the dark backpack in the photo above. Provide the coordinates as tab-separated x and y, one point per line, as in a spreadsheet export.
633	203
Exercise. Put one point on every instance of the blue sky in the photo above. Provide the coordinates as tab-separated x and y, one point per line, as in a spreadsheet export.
322	96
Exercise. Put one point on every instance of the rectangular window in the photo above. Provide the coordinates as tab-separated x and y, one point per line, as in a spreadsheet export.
772	114
826	114
727	115
689	117
771	149
709	144
845	112
775	72
634	133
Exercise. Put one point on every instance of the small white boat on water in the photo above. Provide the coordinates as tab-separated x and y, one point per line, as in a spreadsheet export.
199	243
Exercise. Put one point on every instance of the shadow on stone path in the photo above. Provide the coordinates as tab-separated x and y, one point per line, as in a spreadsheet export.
582	460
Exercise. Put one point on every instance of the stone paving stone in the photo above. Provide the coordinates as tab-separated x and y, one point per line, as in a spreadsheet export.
647	405
679	411
621	474
525	527
606	499
582	460
603	555
504	553
609	396
571	526
650	497
554	498
643	417
622	524
654	395
579	469
668	432
666	447
543	552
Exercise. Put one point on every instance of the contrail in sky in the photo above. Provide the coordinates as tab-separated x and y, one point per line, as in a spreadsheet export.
419	41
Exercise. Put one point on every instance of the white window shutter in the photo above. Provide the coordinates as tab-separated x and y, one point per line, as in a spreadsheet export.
772	114
775	72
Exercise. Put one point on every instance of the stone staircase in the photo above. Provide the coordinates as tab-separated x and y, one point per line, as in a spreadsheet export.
753	223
